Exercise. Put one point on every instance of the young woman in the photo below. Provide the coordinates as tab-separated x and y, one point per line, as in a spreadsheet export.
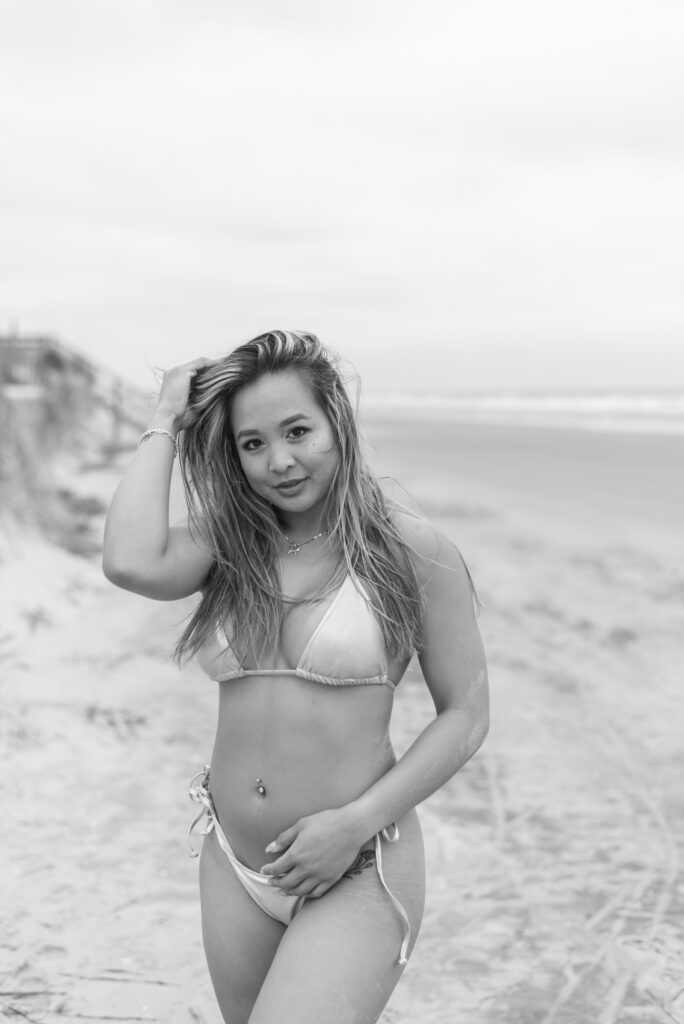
315	592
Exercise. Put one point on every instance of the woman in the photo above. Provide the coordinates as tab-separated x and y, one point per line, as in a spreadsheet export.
315	591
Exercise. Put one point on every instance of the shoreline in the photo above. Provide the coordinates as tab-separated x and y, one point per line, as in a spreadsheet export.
659	411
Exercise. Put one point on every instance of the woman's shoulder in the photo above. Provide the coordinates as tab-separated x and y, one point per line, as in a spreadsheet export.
430	548
414	528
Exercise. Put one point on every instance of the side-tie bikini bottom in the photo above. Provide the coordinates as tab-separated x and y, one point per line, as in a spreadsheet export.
272	900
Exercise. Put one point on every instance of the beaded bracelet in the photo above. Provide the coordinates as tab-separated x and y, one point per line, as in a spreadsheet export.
159	430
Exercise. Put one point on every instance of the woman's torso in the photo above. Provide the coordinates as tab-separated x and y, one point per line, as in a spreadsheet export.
308	745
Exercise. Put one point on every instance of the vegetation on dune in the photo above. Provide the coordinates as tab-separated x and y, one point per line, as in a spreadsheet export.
60	416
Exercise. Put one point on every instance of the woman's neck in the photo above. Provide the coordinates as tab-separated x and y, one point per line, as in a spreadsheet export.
302	527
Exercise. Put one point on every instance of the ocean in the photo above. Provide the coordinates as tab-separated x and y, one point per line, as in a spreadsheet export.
642	412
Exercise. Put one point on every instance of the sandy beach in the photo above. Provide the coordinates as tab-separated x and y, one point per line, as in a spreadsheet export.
555	888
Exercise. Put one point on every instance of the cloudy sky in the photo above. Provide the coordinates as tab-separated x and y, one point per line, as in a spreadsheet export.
453	194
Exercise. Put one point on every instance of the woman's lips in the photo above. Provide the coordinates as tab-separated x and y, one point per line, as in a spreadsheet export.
291	486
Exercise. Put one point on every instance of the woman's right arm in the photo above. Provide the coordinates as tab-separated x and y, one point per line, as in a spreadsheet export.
141	552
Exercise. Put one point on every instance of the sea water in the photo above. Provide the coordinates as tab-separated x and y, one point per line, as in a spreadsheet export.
647	412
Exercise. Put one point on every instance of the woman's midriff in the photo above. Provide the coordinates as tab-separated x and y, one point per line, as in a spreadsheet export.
311	746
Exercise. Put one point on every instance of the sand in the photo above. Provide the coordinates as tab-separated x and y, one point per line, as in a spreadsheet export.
555	888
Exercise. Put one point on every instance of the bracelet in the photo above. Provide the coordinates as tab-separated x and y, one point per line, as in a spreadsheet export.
158	430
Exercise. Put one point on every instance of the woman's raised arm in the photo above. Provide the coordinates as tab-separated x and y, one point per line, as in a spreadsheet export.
141	551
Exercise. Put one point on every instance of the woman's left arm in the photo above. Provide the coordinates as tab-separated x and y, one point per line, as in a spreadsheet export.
453	663
455	671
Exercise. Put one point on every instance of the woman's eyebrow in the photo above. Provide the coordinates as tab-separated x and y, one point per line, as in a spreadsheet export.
285	423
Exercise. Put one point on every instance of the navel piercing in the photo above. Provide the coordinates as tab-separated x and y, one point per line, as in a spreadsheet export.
260	788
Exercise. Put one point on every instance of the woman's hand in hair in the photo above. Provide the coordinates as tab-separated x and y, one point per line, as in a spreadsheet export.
315	852
175	390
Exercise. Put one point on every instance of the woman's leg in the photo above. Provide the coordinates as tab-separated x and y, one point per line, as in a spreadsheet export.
337	961
239	938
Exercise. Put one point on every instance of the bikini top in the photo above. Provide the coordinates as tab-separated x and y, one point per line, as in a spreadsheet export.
346	648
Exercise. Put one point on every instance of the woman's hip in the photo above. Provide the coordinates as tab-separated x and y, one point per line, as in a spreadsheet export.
387	877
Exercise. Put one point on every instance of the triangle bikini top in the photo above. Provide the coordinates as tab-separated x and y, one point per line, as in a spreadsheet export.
346	648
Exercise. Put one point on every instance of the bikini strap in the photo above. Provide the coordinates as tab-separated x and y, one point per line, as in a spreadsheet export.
200	794
393	838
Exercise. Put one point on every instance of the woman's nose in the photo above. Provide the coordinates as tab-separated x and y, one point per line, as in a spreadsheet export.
281	459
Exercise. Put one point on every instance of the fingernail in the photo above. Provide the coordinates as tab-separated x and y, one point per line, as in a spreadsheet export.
272	847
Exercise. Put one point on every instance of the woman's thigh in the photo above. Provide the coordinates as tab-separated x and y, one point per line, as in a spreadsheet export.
240	940
337	961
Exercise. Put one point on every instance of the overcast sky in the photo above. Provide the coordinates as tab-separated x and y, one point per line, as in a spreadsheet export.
453	194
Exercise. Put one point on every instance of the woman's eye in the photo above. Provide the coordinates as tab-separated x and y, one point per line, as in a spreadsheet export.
251	445
297	432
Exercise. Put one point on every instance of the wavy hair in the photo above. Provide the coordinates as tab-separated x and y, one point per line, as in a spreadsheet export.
242	529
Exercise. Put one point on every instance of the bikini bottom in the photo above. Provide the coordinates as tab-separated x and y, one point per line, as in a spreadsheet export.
273	901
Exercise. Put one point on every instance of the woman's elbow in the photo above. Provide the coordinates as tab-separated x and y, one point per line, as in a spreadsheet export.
114	565
117	573
125	570
480	730
481	709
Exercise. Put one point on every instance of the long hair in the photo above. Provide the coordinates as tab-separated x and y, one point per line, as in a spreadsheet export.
242	529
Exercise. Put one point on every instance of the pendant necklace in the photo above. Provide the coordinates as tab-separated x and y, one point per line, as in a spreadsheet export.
294	547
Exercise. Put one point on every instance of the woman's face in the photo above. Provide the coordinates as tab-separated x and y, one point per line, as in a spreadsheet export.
285	443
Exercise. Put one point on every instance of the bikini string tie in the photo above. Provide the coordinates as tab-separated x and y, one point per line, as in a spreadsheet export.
200	794
393	838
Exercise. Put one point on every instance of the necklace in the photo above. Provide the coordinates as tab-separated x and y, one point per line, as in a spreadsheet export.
294	547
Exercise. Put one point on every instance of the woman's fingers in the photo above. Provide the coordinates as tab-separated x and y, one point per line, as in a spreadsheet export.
175	390
284	840
305	887
298	882
292	881
319	890
195	364
280	866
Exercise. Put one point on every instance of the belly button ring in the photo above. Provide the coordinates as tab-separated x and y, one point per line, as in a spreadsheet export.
261	789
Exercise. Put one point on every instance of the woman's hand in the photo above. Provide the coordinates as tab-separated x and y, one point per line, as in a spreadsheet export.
318	850
173	397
